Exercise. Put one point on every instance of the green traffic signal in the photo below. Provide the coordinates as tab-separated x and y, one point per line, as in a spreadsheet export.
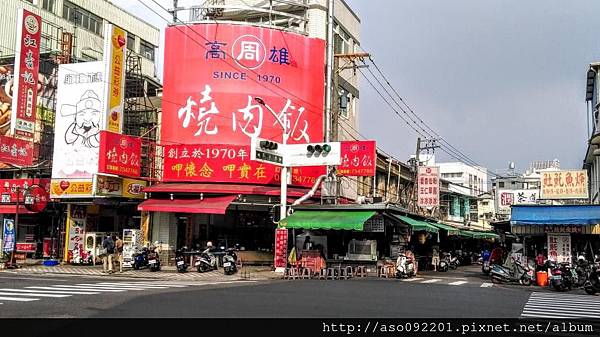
326	148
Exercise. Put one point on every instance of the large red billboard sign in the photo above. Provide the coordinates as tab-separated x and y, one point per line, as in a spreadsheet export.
27	64
10	188
358	158
119	154
226	163
16	151
214	73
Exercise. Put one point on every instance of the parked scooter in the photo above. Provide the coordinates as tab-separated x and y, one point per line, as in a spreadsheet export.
230	262
405	267
562	277
140	259
206	261
182	266
153	260
581	271
519	273
592	284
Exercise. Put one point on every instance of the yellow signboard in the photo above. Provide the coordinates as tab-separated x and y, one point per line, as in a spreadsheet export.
114	58
71	188
132	188
571	184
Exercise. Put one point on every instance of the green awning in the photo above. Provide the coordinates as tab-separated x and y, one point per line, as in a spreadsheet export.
417	225
451	230
465	234
485	235
348	220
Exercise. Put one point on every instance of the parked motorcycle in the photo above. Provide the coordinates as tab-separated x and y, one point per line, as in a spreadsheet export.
582	270
405	267
453	261
592	284
206	261
182	266
230	262
140	259
562	277
524	275
153	260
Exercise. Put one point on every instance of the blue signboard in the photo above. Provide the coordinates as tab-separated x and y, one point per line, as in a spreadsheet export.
8	244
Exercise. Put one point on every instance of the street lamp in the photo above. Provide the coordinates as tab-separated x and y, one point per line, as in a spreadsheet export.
284	169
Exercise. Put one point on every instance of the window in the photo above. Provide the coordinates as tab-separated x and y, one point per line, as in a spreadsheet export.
501	184
82	18
147	50
48	5
342	41
130	41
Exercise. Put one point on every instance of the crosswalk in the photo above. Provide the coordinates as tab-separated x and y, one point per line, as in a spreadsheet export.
447	281
57	291
561	305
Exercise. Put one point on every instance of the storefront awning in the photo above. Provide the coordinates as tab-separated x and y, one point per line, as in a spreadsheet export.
12	209
418	225
451	230
348	220
465	234
555	215
485	235
214	205
225	189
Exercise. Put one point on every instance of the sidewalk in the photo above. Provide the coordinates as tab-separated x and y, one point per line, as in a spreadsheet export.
166	273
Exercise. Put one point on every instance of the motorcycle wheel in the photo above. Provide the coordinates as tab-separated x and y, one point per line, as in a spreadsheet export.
589	289
558	287
201	268
453	266
525	281
496	280
136	266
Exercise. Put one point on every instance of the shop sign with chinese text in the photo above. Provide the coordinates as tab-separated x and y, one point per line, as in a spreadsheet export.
563	229
571	184
108	186
211	88
10	187
119	154
16	151
358	158
76	219
78	121
27	65
559	248
71	188
281	244
507	198
132	188
115	39
428	184
225	163
26	247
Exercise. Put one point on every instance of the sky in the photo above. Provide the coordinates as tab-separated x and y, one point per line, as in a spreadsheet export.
501	80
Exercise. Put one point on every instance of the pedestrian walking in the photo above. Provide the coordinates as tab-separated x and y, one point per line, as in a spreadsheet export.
118	252
108	249
435	257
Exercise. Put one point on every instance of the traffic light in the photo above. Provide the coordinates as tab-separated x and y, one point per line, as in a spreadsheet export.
318	149
268	145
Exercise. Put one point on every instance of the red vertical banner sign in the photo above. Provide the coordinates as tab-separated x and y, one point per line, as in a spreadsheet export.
27	66
281	243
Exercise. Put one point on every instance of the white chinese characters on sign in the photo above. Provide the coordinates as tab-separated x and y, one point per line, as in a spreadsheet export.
428	183
203	115
559	248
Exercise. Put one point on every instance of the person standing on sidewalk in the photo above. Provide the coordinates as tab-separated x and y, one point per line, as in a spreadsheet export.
108	247
118	252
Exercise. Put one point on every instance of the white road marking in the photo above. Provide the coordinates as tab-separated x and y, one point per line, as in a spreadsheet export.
486	285
108	286
50	291
412	279
131	284
76	288
29	294
561	305
18	299
433	280
457	283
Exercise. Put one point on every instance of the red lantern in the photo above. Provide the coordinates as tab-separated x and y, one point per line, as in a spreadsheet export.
36	198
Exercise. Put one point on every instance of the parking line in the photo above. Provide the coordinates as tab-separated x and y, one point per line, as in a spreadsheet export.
432	280
457	283
486	285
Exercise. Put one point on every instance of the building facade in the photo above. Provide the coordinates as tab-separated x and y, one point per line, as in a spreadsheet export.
471	177
591	161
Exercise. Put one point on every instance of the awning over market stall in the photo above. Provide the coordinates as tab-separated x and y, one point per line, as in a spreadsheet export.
485	235
418	225
348	220
451	230
555	215
212	205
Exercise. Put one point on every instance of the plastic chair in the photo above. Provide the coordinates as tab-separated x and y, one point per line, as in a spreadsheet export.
349	272
292	273
331	274
322	274
306	273
361	271
383	272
